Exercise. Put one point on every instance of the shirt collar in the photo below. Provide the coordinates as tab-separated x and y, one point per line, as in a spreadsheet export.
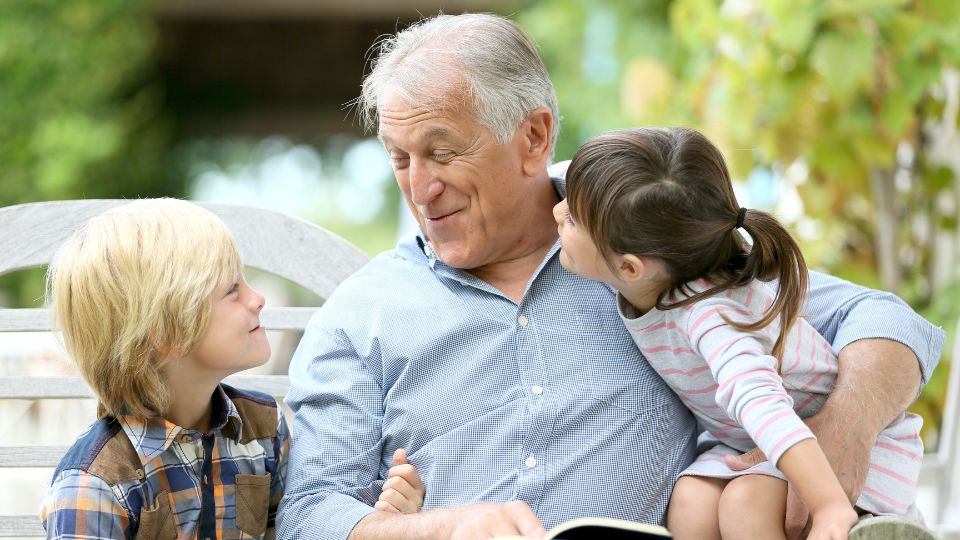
153	436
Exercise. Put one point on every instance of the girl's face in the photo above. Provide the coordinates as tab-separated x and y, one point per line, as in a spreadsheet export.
578	252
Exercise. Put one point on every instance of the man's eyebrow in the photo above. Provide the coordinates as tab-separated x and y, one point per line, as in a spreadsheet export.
431	134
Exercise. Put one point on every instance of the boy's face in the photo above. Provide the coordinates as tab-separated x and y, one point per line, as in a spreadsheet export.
578	253
234	339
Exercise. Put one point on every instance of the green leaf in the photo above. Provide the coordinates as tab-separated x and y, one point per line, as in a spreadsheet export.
845	62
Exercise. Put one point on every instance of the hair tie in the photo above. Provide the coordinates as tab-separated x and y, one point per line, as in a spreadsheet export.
740	216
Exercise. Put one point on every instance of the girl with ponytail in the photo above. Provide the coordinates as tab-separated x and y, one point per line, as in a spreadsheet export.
652	213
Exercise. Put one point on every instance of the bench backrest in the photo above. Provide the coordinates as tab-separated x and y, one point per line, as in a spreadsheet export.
30	234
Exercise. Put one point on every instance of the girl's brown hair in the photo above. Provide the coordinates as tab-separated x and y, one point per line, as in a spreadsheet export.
666	193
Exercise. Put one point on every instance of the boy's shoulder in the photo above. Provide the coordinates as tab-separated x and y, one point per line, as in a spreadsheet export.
105	451
258	412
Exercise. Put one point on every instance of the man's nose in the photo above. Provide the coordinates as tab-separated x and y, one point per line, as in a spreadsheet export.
424	186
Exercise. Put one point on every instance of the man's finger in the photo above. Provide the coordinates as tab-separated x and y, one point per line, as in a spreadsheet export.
400	457
745	460
527	522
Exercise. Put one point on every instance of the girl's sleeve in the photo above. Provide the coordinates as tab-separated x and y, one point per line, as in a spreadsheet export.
748	386
80	505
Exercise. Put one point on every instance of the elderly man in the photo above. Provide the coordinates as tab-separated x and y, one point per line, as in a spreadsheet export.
510	382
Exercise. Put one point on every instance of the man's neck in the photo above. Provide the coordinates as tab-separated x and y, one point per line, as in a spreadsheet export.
537	233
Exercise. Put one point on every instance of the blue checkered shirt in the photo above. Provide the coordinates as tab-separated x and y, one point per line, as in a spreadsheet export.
546	401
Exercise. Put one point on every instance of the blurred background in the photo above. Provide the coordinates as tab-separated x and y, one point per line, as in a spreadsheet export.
840	116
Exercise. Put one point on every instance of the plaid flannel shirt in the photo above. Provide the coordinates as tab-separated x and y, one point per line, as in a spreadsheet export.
223	484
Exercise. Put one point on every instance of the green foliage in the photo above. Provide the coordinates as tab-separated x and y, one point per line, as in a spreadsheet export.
78	113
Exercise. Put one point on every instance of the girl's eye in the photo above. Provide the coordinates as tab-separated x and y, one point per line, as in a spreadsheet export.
234	288
569	219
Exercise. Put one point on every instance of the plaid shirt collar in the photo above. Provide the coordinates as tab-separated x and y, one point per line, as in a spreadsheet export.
151	437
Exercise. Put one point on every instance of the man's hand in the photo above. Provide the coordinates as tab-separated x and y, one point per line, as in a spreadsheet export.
484	521
480	521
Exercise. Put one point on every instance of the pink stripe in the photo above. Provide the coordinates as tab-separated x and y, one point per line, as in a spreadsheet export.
759	401
716	311
900	451
767	374
667	325
706	390
725	348
749	296
909	437
883	470
811	382
894	503
667	348
688	373
771	420
788	439
806	403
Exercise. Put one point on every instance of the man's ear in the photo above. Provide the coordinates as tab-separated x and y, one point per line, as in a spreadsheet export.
536	134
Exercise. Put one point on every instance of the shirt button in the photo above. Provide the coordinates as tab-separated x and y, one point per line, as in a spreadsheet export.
531	461
522	320
537	389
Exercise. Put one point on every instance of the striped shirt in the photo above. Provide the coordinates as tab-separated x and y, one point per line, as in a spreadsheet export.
547	400
745	397
223	484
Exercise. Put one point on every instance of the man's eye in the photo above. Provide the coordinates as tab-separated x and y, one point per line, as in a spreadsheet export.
443	156
399	162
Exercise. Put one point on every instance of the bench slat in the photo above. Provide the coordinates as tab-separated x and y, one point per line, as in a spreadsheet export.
25	387
38	319
31	456
21	525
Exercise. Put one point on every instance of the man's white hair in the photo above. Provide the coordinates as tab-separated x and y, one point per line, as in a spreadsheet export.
483	58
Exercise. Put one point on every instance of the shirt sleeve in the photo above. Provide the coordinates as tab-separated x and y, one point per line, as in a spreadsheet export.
336	451
80	505
748	387
843	313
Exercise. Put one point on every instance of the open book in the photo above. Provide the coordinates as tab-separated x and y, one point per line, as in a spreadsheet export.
591	528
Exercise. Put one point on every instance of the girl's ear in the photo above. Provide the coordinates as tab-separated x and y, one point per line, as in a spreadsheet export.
631	267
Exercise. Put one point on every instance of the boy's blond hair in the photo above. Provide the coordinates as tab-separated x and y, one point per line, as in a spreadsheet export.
134	287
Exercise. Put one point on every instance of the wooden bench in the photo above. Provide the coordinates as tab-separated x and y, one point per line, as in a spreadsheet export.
30	234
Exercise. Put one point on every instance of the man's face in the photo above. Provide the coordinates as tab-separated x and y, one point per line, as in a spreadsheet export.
463	187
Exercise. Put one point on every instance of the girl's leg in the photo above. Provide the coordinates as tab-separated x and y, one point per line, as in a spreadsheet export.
753	507
693	508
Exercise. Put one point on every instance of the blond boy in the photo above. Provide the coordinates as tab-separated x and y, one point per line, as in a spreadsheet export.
155	312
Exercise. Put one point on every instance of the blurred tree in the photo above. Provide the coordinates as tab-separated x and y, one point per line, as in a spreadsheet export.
79	108
862	95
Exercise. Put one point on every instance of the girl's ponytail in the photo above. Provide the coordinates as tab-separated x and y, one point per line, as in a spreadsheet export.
774	255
